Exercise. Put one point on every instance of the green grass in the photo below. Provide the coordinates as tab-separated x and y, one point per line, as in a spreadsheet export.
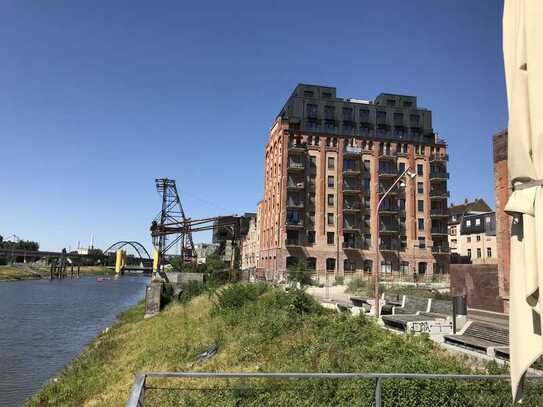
29	272
260	329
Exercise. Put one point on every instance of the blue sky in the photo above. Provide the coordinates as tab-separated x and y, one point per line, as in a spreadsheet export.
97	99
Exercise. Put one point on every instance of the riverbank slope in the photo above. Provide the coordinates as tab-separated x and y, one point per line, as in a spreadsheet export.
260	329
31	272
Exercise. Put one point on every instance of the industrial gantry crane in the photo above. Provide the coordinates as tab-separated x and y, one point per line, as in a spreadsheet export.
171	226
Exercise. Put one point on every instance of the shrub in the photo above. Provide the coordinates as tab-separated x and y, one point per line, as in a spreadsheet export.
299	275
237	295
339	280
190	290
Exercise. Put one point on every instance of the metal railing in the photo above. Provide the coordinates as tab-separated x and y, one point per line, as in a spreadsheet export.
141	386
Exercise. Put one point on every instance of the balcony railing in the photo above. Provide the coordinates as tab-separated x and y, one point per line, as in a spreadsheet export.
351	206
292	165
439	175
439	157
297	146
295	222
294	242
352	244
439	193
351	187
388	172
352	150
441	212
389	227
353	169
387	154
295	185
388	210
351	226
389	247
441	249
385	188
439	230
295	204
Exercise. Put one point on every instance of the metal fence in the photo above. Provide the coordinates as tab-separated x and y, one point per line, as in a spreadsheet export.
375	396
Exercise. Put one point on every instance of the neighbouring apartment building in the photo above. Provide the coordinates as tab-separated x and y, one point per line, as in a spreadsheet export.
250	249
203	251
328	161
472	232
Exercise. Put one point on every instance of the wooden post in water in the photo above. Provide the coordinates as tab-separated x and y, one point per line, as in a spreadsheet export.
78	268
71	270
52	265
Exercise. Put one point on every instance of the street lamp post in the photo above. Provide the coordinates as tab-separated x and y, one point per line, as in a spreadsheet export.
377	271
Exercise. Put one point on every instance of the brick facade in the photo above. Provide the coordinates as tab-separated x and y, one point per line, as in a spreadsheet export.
321	192
502	191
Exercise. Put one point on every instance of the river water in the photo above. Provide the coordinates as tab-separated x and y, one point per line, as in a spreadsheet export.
44	324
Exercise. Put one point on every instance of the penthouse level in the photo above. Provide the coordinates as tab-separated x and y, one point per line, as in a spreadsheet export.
313	108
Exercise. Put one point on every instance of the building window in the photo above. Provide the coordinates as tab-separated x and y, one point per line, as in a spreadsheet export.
401	168
420	205
330	199
308	93
330	182
349	266
381	116
401	203
405	103
420	187
311	236
367	240
421	223
420	169
487	219
330	237
386	267
477	222
478	238
404	267
326	95
478	252
422	243
468	223
331	163
330	264
488	252
469	253
329	112
330	218
311	110
347	114
364	115
469	239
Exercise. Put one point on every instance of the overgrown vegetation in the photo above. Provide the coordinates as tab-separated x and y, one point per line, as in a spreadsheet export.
262	329
32	271
365	287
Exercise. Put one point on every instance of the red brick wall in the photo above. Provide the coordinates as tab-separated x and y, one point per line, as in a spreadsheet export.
480	283
502	191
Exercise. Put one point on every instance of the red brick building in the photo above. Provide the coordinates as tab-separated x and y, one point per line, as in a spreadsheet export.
328	161
502	191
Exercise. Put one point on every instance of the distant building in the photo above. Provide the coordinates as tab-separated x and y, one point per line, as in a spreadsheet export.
250	248
328	161
472	232
204	250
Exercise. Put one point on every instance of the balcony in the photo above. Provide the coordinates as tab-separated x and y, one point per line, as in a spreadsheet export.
296	166
387	155
384	188
295	204
388	173
439	157
351	226
351	170
351	206
439	213
389	247
297	147
295	185
352	245
295	222
351	188
294	242
389	228
352	150
388	210
439	176
440	230
439	194
441	249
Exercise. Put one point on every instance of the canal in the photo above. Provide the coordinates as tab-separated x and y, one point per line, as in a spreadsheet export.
44	324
